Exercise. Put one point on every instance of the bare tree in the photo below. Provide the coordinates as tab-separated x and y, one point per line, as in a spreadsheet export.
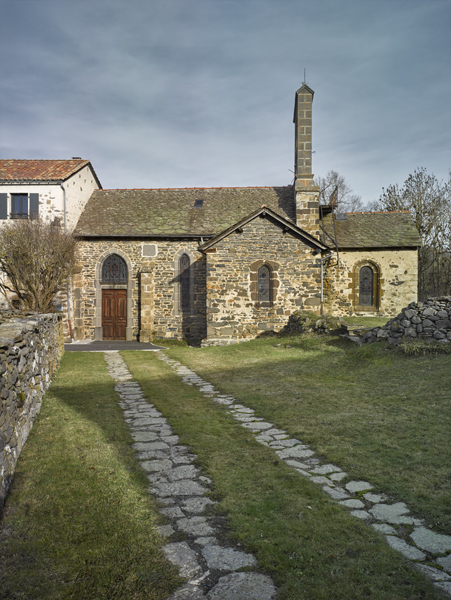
429	202
36	258
335	190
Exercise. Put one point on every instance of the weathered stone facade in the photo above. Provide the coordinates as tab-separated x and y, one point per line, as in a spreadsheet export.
395	281
153	309
230	237
233	310
30	350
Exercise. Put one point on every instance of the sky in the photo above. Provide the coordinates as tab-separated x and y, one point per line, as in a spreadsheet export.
200	93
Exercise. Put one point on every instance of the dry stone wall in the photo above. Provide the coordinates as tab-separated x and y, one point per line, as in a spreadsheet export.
430	321
30	351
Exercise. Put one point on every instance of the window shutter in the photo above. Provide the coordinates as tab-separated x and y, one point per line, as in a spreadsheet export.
34	206
3	206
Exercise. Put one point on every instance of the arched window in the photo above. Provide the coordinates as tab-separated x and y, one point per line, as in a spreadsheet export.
184	282
366	293
114	270
264	290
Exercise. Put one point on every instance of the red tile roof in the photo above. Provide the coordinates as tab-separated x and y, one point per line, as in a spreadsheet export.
12	170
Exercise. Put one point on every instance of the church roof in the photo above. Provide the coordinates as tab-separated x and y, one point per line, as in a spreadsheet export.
177	212
372	230
24	170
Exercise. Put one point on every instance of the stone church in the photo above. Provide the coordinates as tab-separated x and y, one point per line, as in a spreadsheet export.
225	265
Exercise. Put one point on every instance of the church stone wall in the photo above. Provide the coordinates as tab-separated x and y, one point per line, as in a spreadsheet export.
398	281
233	314
154	308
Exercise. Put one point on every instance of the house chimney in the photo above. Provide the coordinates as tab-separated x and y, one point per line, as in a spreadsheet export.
306	193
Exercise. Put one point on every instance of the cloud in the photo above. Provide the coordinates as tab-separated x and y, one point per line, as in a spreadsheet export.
172	93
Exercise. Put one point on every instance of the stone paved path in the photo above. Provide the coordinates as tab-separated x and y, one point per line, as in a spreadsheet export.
180	487
430	551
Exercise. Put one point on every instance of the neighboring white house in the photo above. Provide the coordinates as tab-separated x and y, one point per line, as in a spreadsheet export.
46	188
49	189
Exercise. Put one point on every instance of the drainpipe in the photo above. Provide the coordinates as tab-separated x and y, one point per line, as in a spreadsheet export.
67	287
323	258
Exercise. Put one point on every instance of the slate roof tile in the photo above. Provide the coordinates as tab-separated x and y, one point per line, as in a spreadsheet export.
171	211
373	230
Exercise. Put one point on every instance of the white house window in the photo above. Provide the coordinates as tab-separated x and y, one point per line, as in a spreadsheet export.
19	206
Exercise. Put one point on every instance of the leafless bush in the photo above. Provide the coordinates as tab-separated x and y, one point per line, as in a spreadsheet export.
36	258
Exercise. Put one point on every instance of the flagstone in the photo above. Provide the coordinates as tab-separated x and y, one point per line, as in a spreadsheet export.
181	555
151	466
336	493
325	469
197	526
197	504
243	586
445	562
358	486
404	548
392	513
149	446
384	528
295	452
320	480
432	542
433	573
338	476
185	487
227	559
375	498
352	503
257	426
360	514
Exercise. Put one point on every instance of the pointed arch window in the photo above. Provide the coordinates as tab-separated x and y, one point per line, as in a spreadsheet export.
114	270
366	292
264	289
184	282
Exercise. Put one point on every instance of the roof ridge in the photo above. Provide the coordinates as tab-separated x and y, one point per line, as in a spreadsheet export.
249	187
45	159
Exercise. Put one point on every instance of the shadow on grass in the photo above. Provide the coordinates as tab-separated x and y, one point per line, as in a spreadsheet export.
79	522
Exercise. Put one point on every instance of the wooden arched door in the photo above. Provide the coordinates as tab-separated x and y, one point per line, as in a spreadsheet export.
114	299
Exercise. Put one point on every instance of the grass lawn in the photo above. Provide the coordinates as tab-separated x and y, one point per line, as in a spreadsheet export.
310	545
367	321
78	521
380	415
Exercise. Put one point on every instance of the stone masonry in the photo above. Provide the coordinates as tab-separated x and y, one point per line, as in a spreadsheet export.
429	321
232	310
395	288
30	351
152	286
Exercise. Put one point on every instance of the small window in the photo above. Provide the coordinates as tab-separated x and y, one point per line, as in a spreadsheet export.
366	286
184	282
198	203
264	294
19	206
114	270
